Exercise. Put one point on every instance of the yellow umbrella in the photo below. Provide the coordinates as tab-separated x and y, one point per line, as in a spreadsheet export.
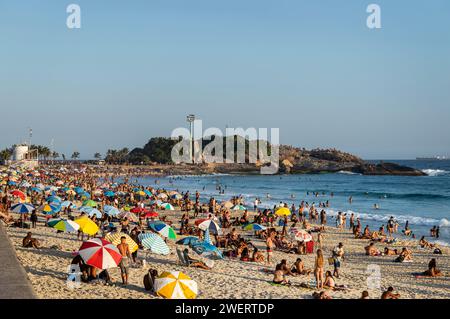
115	239
175	285
87	226
283	211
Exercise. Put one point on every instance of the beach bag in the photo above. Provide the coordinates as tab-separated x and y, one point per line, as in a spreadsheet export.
331	261
148	282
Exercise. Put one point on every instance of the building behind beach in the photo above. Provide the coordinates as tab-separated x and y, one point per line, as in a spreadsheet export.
23	155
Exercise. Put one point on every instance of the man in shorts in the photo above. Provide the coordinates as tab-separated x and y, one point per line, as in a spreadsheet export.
125	262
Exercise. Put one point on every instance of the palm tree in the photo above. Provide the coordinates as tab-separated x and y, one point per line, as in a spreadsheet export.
97	156
75	155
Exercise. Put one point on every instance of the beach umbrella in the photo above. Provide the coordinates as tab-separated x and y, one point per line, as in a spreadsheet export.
128	216
59	182
204	248
116	237
79	190
19	194
188	241
139	210
208	224
50	209
109	194
154	243
176	196
254	227
22	208
163	229
111	210
162	196
141	193
227	204
283	211
87	226
148	193
24	184
300	234
156	202
167	206
96	212
54	199
90	203
239	207
40	186
175	285
151	215
36	190
12	183
71	192
65	225
67	203
85	196
100	253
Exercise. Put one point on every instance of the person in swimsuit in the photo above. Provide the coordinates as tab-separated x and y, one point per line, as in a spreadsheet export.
269	246
389	294
126	256
318	269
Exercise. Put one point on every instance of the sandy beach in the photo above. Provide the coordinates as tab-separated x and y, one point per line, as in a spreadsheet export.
232	278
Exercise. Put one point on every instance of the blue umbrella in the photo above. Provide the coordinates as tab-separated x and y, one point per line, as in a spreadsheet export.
22	208
109	194
207	249
67	203
55	199
78	190
111	210
12	183
188	241
35	189
96	212
148	192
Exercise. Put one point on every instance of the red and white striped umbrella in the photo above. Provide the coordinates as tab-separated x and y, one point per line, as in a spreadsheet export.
100	253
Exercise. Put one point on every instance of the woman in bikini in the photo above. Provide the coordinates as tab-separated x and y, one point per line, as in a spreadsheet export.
318	269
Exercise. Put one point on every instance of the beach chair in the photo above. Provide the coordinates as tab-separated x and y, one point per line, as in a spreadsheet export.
181	259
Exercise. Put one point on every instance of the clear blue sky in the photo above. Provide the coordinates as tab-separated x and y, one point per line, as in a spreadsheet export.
313	68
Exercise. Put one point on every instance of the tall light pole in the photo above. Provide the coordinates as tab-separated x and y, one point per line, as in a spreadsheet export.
190	119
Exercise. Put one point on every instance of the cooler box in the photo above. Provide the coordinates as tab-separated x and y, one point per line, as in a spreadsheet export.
310	247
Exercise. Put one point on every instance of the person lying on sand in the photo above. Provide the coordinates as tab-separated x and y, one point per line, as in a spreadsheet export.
371	250
390	252
425	244
30	242
389	294
432	270
194	262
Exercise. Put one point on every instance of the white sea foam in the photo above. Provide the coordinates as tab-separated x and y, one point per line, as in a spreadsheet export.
348	173
435	172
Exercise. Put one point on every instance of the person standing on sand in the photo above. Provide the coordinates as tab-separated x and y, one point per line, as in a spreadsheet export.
338	255
318	269
126	256
320	238
269	246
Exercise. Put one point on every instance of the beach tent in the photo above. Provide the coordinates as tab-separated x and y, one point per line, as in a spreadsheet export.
175	285
115	239
100	253
154	243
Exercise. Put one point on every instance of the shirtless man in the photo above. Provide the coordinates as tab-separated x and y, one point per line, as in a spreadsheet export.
124	263
371	250
269	246
389	294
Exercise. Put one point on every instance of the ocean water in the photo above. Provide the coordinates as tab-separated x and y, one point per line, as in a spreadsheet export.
423	201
